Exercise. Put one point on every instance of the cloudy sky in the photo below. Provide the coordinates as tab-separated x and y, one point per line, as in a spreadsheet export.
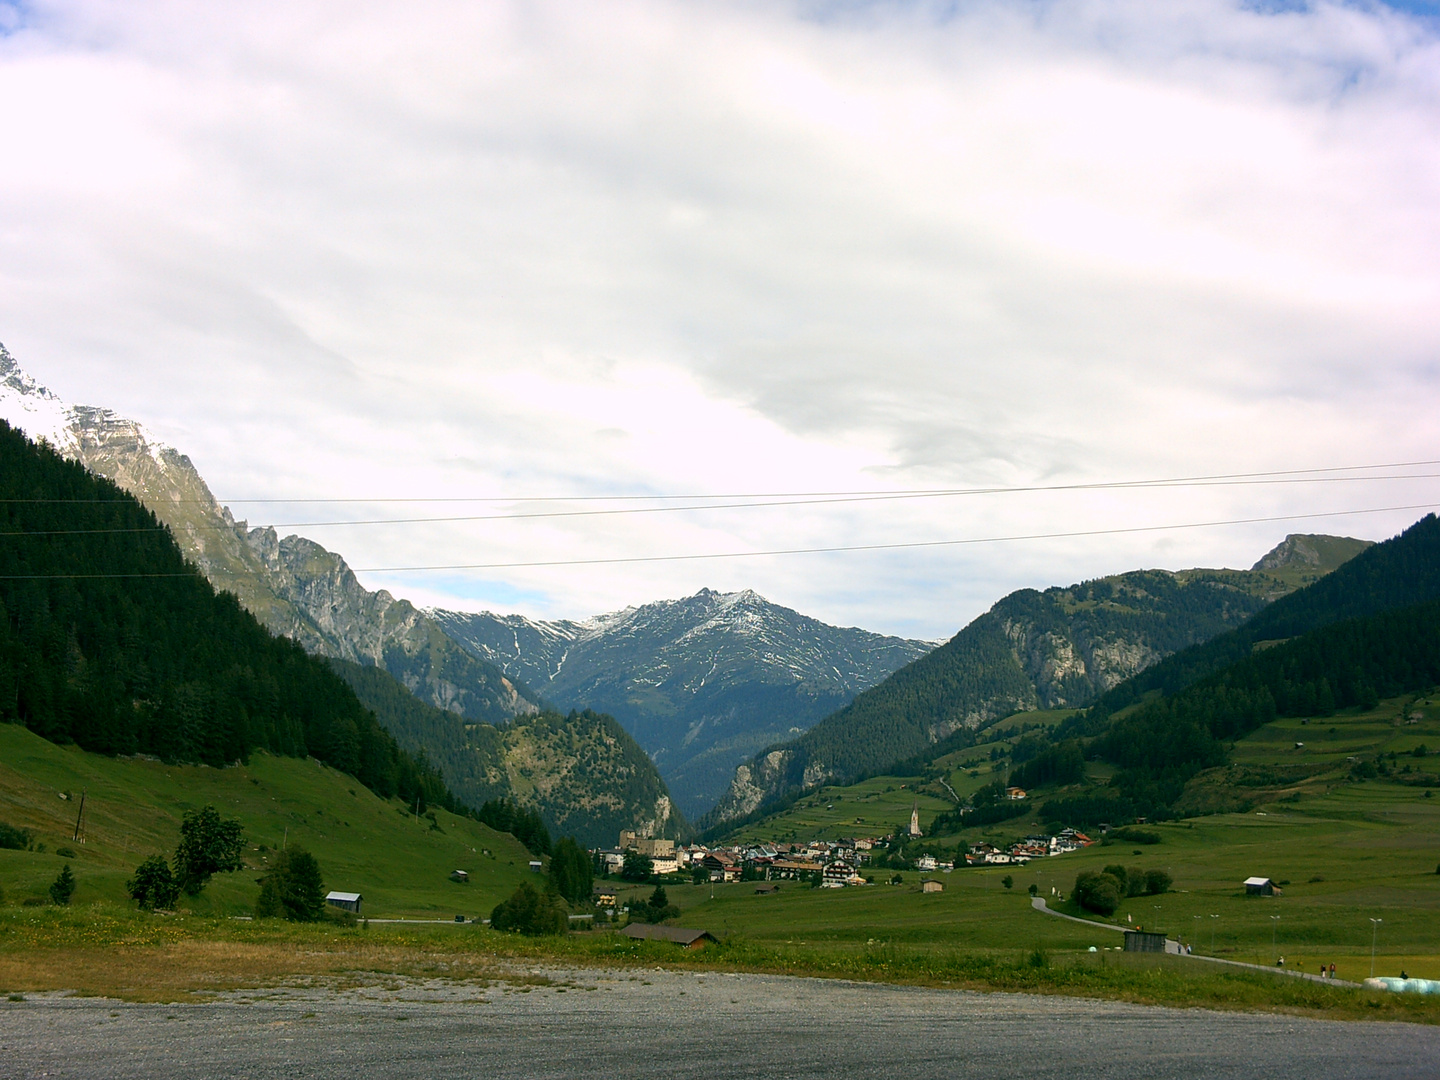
549	250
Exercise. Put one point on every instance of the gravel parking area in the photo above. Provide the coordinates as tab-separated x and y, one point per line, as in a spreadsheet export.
628	1024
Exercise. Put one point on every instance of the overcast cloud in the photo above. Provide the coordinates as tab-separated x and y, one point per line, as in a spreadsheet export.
454	249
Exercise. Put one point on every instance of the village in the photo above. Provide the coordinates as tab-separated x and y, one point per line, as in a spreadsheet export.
832	864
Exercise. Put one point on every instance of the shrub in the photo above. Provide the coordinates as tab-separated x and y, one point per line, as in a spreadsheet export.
1157	882
13	838
153	886
293	889
63	887
1008	881
529	912
657	909
1099	893
65	852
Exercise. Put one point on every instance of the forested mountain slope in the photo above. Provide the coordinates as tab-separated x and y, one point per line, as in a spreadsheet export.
1401	571
702	682
109	639
583	773
293	586
1057	648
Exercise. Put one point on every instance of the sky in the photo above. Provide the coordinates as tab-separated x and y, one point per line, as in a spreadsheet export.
646	248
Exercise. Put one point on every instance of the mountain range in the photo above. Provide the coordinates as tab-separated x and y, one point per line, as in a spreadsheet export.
1060	648
701	683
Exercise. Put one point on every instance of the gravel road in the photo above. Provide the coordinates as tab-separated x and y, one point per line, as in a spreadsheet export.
614	1025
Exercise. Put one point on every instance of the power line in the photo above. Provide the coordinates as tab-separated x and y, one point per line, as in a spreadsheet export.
1136	485
863	494
889	547
782	551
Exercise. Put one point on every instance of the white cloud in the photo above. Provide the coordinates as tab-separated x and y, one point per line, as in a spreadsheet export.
518	249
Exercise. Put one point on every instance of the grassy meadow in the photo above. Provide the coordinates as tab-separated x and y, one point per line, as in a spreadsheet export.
133	809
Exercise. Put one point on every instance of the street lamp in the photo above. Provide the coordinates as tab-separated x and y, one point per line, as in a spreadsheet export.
1374	932
1274	926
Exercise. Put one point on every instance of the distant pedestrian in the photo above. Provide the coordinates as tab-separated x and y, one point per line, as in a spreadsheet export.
1332	971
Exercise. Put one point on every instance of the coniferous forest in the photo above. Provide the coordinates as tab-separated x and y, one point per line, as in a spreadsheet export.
110	640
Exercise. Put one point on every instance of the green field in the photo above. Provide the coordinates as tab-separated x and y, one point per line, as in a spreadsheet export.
1346	849
133	808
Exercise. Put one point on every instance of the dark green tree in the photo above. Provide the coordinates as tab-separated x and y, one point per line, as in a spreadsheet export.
63	887
637	867
570	870
293	889
531	912
657	909
1100	893
1157	882
209	845
153	885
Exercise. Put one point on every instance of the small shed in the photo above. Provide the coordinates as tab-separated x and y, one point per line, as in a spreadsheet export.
765	890
1261	886
1144	941
932	886
536	866
348	901
683	936
461	876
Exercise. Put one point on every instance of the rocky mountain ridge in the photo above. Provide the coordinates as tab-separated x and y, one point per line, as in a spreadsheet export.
701	682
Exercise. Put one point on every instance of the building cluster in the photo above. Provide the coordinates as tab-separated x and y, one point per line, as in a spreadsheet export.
1032	847
835	863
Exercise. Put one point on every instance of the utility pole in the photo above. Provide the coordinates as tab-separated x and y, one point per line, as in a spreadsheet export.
79	818
1212	934
1374	933
1274	927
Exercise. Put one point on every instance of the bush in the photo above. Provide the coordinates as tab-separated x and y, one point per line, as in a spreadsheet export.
293	889
63	887
209	845
1099	893
657	909
530	912
66	852
1157	882
13	838
153	886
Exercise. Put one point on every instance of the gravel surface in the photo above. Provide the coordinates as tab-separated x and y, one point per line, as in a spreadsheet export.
626	1024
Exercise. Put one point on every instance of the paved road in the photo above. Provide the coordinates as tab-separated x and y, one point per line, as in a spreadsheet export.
680	1026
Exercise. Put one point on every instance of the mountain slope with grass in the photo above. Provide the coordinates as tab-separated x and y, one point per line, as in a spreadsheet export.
398	860
1032	651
